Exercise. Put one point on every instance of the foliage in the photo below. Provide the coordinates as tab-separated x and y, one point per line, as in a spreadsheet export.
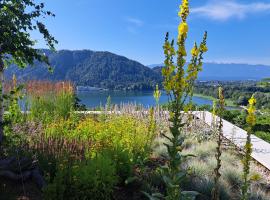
13	96
124	132
264	82
93	179
125	138
45	109
261	128
251	120
18	19
13	115
238	92
49	101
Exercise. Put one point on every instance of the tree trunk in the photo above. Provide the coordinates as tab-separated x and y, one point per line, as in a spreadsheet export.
1	100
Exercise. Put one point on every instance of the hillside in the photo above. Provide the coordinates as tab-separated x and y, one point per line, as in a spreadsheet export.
110	71
90	68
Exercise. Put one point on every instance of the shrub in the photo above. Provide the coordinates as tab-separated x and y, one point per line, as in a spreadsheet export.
204	187
94	179
263	135
233	177
126	139
119	132
202	150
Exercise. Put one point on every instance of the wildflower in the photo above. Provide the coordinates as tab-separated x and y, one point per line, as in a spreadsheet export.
184	9
252	101
251	119
183	28
177	84
204	48
195	51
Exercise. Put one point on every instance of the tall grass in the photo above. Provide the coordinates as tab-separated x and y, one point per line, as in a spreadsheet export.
49	101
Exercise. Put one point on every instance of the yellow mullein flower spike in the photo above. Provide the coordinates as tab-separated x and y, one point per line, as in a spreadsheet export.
184	10
183	28
252	101
251	119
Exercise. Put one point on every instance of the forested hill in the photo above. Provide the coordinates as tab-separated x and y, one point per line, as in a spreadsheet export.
91	68
110	71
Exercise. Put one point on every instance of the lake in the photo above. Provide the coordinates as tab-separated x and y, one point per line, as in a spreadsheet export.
96	98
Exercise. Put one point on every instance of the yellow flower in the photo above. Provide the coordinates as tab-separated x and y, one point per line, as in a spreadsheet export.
204	48
183	28
251	119
184	9
252	101
195	51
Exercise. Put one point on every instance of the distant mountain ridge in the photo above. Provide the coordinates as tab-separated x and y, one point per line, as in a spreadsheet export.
228	71
102	69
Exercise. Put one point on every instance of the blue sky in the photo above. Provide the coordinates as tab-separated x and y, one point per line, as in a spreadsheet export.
238	30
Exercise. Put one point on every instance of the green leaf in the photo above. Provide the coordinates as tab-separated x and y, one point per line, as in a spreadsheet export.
181	175
190	195
155	196
131	180
50	69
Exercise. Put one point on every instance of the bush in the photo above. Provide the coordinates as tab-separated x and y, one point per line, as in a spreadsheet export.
204	187
263	135
94	179
126	139
124	133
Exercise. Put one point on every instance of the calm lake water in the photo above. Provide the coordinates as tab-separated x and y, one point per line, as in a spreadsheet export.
96	98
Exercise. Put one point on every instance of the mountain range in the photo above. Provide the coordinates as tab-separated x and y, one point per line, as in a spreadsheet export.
228	71
107	70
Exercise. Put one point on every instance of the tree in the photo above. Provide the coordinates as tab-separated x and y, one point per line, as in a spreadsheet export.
242	100
265	82
17	20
